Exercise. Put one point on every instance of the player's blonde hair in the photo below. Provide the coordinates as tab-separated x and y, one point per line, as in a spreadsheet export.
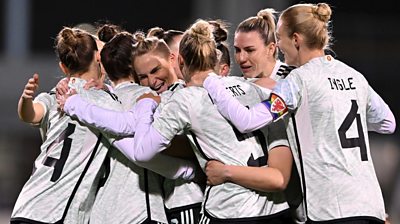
310	20
198	47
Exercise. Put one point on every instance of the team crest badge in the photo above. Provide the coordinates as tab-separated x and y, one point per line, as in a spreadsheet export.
276	106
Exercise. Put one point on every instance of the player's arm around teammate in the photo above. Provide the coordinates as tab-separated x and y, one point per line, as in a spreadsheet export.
327	98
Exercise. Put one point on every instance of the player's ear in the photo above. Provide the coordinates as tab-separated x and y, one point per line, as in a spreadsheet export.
296	39
271	48
172	57
224	69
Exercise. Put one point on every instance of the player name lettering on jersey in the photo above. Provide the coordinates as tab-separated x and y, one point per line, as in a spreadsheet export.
236	90
342	84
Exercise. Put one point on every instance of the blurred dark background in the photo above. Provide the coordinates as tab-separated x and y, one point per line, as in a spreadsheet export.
367	37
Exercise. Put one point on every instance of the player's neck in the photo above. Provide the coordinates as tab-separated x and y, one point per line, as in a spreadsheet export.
308	55
121	80
86	75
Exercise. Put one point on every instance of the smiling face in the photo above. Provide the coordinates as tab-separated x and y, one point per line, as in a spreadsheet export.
250	53
154	71
286	45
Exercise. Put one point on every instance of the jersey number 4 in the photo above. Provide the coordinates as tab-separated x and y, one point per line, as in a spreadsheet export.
254	162
58	164
353	142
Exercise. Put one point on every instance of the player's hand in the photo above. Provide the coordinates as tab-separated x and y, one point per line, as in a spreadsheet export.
31	87
266	82
92	83
151	96
62	87
61	99
216	172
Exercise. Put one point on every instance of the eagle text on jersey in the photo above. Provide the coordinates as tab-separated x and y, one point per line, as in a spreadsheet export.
342	84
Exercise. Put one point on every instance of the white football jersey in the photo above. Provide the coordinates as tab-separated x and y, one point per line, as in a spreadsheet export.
131	194
294	190
331	102
178	193
64	181
192	110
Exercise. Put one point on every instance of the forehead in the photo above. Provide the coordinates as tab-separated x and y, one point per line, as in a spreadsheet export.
279	28
146	60
145	63
245	39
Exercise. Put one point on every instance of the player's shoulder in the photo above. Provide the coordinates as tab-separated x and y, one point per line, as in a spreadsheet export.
230	81
281	70
133	89
47	98
179	84
101	97
187	96
316	68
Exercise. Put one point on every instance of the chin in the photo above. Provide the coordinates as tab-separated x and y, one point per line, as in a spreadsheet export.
162	89
249	75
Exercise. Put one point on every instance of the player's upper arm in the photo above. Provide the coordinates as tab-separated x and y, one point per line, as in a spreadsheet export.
39	113
379	116
280	158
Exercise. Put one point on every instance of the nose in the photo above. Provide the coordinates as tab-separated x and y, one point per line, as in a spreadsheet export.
152	81
242	56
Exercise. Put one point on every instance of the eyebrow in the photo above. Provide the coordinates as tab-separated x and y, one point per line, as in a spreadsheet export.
140	74
155	69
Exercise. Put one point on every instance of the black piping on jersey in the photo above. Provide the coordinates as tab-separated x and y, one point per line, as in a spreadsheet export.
198	145
204	156
352	220
284	70
146	189
24	220
112	95
82	175
206	195
107	164
17	219
212	101
173	87
245	220
301	163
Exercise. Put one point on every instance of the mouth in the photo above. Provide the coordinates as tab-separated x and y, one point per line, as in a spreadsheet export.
245	68
158	87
